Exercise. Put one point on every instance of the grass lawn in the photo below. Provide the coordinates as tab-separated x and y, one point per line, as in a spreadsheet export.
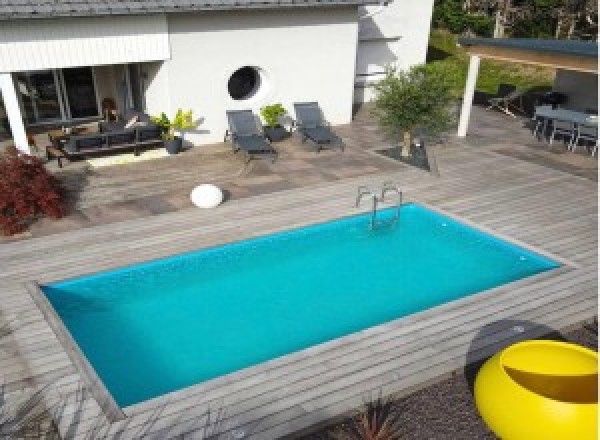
454	60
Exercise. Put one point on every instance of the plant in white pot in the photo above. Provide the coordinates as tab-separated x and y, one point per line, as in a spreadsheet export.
182	121
420	98
272	115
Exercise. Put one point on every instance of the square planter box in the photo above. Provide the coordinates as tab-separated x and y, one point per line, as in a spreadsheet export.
276	134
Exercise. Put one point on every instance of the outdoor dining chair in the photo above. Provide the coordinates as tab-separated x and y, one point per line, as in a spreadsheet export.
586	133
565	129
540	122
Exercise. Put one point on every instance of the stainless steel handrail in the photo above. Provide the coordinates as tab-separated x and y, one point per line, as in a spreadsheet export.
391	186
365	191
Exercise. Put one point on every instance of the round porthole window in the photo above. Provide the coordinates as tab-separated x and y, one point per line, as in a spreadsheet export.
244	83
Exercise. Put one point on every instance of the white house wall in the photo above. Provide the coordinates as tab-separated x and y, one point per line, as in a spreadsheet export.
396	34
581	89
73	42
307	55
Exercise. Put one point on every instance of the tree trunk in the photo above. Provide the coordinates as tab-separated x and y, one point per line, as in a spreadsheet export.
571	28
406	141
498	26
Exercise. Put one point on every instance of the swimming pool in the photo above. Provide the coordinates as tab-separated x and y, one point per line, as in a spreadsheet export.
160	326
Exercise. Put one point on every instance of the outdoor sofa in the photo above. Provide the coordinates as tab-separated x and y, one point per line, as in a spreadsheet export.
112	136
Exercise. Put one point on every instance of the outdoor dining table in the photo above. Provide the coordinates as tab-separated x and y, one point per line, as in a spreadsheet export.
563	114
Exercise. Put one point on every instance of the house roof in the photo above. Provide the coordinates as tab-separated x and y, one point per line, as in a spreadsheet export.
559	47
560	54
14	9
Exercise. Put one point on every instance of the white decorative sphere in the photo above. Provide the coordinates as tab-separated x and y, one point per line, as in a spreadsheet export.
206	196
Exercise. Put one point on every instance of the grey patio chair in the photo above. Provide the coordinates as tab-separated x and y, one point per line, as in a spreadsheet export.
566	129
245	136
503	103
312	126
540	122
586	133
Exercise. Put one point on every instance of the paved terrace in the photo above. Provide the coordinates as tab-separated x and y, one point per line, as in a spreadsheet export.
112	194
495	184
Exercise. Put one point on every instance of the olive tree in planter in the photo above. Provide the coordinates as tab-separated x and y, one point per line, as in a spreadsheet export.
272	114
182	121
419	98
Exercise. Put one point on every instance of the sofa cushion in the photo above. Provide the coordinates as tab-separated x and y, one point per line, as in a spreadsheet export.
132	113
85	142
110	126
149	133
123	137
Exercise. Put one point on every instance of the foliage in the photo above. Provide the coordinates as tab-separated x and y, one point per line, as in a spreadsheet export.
377	421
454	63
272	113
519	18
181	121
27	190
451	15
417	98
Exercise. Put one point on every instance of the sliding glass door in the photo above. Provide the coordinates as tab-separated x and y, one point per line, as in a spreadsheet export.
39	93
57	95
80	91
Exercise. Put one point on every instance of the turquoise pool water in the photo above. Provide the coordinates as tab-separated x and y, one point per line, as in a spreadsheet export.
160	326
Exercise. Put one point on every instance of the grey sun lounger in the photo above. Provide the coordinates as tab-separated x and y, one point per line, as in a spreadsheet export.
513	99
312	127
246	137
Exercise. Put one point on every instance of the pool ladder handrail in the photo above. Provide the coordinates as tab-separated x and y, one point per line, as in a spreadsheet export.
387	186
364	190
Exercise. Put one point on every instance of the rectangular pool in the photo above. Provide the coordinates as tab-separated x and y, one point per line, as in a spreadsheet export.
160	326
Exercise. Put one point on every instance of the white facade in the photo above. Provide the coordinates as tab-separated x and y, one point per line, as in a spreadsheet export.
74	42
395	34
305	56
185	60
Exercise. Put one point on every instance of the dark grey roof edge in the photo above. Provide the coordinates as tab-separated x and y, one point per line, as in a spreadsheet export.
13	13
586	49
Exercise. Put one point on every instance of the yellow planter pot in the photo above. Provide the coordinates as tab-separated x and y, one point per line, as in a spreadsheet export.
540	390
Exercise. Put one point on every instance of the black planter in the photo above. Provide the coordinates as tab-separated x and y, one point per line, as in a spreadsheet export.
275	134
173	146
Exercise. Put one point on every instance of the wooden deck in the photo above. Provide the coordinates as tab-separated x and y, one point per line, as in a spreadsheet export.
552	211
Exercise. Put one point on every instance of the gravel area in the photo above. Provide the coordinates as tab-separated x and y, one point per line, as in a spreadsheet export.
445	410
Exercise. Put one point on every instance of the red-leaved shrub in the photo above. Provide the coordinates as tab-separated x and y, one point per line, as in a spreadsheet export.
27	190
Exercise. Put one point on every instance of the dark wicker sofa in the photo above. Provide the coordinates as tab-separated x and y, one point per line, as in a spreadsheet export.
112	136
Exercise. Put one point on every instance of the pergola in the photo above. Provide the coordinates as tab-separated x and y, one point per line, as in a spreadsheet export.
580	56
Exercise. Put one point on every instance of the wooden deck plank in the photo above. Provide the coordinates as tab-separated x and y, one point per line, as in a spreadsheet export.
549	209
443	331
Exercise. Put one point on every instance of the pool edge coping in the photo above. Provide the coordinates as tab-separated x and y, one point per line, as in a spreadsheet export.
494	233
114	413
108	406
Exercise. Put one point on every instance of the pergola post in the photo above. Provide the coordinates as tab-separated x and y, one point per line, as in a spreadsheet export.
13	111
467	103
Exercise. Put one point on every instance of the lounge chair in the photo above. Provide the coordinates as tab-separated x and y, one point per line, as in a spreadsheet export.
503	103
245	136
312	127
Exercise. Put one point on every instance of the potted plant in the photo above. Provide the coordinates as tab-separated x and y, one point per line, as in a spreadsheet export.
182	121
419	98
274	131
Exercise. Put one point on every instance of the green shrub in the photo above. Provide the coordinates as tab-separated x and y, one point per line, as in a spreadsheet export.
272	113
181	121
